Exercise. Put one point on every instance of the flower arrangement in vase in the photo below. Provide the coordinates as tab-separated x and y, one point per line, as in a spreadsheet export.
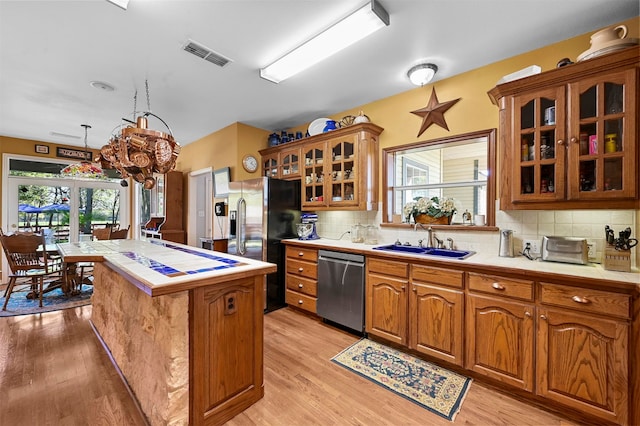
430	210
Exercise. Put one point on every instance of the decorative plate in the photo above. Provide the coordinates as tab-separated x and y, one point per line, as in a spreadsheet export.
317	126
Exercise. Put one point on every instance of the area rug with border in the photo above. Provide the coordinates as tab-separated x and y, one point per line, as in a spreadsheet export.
52	301
435	388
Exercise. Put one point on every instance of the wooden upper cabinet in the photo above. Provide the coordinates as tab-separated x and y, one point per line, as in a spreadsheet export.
338	169
569	136
282	164
604	108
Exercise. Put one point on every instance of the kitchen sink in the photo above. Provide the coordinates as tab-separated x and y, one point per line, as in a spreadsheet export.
452	254
402	249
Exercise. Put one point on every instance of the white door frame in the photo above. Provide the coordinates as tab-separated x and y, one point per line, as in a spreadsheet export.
192	215
9	194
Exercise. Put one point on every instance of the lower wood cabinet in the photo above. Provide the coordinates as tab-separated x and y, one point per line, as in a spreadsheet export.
436	313
500	340
386	300
583	357
302	278
582	362
226	329
569	344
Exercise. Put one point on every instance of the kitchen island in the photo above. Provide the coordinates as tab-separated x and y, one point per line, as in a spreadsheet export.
184	326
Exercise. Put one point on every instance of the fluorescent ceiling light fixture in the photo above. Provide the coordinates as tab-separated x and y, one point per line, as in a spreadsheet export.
364	21
421	74
120	3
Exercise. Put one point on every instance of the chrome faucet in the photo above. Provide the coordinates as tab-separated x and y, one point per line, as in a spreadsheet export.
429	238
450	243
439	241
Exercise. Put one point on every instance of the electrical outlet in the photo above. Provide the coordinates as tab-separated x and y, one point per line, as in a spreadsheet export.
534	246
593	249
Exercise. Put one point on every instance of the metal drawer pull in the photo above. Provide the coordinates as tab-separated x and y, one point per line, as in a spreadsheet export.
582	300
527	314
300	269
299	302
497	286
300	253
544	317
300	285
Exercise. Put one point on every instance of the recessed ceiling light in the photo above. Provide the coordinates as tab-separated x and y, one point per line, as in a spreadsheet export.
101	85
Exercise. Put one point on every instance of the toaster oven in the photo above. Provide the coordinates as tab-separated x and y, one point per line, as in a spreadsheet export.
565	249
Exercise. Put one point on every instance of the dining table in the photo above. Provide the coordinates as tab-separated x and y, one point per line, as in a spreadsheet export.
71	254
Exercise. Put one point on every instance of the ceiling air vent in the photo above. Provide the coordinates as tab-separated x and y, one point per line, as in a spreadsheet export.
206	53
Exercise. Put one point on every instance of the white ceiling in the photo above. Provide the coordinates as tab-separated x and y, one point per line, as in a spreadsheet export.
51	50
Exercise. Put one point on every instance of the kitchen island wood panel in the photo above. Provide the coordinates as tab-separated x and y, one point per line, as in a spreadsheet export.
193	353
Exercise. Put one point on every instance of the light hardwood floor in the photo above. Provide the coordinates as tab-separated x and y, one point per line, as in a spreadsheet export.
53	371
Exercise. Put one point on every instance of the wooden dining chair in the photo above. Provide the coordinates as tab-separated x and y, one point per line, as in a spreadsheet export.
120	234
101	233
29	263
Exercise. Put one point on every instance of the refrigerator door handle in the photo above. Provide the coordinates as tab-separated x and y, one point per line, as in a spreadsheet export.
242	222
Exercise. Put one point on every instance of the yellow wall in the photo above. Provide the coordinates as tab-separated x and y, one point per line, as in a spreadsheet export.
224	148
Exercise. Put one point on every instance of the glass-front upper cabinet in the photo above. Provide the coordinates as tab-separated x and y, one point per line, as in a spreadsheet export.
602	154
570	135
314	176
270	165
290	163
539	169
344	170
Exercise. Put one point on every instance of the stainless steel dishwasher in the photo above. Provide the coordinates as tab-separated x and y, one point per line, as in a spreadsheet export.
341	288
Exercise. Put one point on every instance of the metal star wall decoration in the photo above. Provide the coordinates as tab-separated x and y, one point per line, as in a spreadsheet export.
433	113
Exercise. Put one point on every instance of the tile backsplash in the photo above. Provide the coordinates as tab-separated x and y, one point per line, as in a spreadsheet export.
526	225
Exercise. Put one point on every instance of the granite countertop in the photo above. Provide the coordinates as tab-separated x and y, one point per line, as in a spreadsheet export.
163	267
521	263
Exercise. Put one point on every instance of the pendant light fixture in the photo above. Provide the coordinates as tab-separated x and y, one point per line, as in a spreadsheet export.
85	169
138	151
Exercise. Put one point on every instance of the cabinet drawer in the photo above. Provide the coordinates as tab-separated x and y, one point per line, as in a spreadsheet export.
302	285
388	267
585	300
301	301
437	276
302	253
305	269
509	287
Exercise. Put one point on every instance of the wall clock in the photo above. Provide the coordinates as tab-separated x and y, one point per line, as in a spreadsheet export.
250	163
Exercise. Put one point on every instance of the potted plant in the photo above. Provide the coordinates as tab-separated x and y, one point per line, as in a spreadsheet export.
430	210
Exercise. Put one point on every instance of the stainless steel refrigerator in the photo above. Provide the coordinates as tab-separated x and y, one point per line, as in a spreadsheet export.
263	212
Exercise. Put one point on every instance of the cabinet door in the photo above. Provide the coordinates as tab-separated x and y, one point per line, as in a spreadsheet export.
500	341
290	164
270	165
386	308
435	322
539	143
342	183
313	177
603	137
582	362
226	330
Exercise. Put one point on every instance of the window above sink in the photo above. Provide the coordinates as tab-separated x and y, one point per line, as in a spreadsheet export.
460	167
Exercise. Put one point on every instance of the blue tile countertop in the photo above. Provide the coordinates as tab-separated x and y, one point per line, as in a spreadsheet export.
163	267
